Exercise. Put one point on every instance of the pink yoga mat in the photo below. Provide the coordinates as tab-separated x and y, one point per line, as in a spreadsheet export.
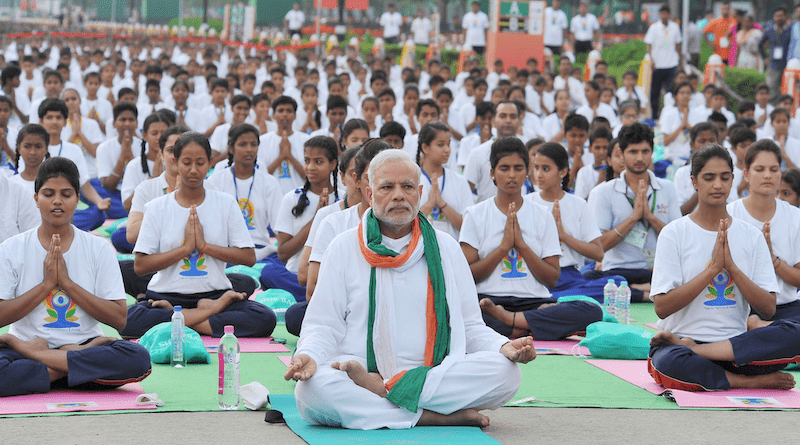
61	401
285	359
247	344
635	372
561	347
652	325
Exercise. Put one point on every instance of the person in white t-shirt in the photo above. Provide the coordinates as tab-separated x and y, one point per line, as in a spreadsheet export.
710	270
779	221
478	168
83	132
565	81
592	175
57	285
190	258
578	234
475	24
391	21
114	155
555	27
675	124
585	29
421	28
18	212
296	214
663	41
790	147
281	151
513	250
701	135
294	19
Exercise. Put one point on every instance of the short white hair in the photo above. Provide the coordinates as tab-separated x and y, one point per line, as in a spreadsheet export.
391	155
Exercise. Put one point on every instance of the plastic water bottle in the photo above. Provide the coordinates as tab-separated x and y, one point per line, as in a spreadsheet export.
229	371
623	303
178	359
610	297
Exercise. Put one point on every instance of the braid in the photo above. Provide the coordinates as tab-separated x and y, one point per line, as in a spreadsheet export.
419	151
16	157
303	202
145	167
565	181
335	184
609	172
230	158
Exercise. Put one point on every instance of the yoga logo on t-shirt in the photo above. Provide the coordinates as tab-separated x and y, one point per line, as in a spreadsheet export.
248	211
193	265
436	214
721	290
512	265
60	310
285	173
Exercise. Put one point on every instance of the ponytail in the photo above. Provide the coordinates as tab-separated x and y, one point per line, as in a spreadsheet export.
332	153
303	202
145	167
427	134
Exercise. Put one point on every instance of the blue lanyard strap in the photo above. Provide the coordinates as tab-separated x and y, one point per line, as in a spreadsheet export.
236	187
60	148
444	173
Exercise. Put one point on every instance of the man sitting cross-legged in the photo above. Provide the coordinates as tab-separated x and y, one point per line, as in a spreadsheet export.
393	338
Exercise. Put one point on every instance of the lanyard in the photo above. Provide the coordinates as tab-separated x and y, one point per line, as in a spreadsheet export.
652	206
444	173
60	148
236	187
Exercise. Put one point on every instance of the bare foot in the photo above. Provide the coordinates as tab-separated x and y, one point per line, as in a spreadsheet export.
644	287
754	321
95	342
371	381
162	304
666	338
496	311
776	380
464	417
222	302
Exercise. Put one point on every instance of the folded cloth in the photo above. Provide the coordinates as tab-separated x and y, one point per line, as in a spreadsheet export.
149	399
254	395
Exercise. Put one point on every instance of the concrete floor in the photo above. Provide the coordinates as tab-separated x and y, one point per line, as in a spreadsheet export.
511	426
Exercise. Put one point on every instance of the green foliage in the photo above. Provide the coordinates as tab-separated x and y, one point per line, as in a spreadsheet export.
621	53
744	82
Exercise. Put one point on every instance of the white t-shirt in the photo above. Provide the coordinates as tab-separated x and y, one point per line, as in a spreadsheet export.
603	110
555	22
681	147
191	117
69	151
91	129
18	211
784	231
468	143
583	27
295	19
685	189
478	171
259	201
92	265
134	176
421	28
483	228
108	154
476	26
720	311
330	228
577	96
268	151
456	193
148	191
610	206
318	218
103	107
210	113
163	229
638	94
577	221
663	41
587	180
391	23
291	225
219	138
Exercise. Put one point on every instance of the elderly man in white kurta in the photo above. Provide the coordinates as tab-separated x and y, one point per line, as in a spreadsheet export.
395	337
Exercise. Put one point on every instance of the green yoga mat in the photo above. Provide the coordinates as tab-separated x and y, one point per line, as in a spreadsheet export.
429	435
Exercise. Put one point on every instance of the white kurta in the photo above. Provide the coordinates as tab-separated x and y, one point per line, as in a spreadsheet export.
335	328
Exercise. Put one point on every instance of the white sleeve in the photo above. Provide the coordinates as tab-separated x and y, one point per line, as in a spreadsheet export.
589	229
219	139
127	187
285	220
315	224
649	38
273	199
105	160
149	239
763	272
28	215
601	209
549	236
583	185
472	171
108	278
469	229
667	274
9	278
321	241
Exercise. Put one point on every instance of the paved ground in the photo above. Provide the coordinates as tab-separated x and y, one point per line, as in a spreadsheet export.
511	426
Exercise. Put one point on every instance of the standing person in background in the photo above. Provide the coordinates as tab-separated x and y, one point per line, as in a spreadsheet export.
555	27
475	24
391	21
748	38
694	36
794	47
421	28
294	20
717	31
585	29
663	41
777	34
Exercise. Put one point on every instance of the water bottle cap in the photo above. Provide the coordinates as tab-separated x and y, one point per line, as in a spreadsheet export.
611	280
178	308
229	329
624	282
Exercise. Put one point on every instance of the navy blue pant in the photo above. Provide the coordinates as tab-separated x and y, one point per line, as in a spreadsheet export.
571	282
550	323
110	365
88	219
294	317
788	311
274	275
249	318
632	276
117	210
661	78
136	285
120	240
756	352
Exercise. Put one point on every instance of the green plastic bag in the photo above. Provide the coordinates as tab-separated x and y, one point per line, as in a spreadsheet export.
278	300
607	318
158	341
617	341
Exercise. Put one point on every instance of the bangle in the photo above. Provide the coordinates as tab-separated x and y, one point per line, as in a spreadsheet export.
204	247
776	260
620	235
113	173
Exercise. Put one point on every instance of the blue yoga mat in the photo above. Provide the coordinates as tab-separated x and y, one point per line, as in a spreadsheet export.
428	435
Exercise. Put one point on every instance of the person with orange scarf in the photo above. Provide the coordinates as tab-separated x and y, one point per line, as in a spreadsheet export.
394	339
